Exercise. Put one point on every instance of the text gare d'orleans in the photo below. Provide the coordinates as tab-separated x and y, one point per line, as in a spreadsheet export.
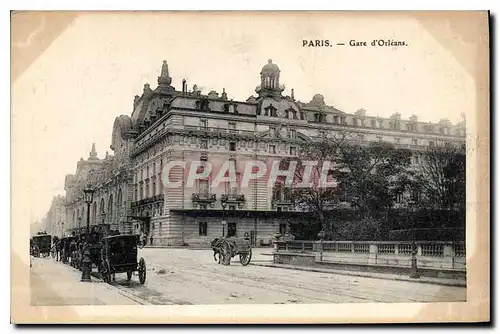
313	43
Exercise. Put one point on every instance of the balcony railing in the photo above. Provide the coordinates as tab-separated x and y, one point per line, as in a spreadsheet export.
148	200
203	198
218	130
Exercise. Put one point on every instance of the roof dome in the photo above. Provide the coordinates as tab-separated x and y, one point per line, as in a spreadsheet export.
270	68
318	99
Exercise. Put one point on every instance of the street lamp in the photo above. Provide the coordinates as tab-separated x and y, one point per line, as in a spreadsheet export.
223	203
414	249
88	193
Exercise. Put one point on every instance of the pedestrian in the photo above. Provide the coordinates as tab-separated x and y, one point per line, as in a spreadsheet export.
151	240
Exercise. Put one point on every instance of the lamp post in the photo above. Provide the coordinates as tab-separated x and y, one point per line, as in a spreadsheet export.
414	249
223	203
86	265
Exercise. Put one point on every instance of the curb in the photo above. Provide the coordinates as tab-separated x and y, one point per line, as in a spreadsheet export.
358	274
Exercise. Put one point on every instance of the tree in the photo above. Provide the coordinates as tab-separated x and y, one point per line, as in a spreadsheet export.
316	163
376	174
442	177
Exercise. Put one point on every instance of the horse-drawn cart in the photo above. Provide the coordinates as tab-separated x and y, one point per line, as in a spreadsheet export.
41	245
119	255
230	247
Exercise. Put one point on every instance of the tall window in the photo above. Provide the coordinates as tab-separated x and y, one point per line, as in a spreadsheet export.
141	191
203	123
203	227
147	189
282	228
154	187
293	134
272	149
232	146
203	187
336	119
204	143
232	127
293	150
374	123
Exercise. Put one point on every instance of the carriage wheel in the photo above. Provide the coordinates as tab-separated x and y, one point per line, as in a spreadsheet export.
53	253
142	271
246	257
226	253
129	275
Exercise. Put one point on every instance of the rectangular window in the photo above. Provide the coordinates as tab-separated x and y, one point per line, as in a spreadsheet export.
232	127
336	119
203	187
204	143
232	146
203	123
272	149
231	230
355	122
293	134
203	227
292	151
154	188
374	123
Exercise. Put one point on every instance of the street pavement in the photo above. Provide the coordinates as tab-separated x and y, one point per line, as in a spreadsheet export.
184	276
55	284
191	277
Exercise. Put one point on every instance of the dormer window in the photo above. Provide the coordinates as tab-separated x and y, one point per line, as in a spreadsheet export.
336	119
302	116
270	111
226	107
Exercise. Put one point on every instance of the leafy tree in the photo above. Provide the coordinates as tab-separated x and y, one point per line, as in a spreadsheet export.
441	177
376	174
316	198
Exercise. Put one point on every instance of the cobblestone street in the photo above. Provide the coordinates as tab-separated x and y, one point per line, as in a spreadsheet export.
184	277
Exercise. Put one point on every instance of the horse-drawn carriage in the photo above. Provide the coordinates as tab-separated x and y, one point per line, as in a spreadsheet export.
228	248
119	255
41	245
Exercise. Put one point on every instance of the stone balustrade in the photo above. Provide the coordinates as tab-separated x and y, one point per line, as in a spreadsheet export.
430	254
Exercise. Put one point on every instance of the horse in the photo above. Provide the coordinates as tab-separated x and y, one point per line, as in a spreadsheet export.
216	245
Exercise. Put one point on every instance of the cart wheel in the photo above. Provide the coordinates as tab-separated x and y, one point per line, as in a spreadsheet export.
246	257
129	275
226	253
142	271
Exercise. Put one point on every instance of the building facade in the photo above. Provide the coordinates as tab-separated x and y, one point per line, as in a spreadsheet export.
56	216
169	125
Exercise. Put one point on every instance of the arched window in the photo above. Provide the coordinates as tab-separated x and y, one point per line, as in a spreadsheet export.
110	209
119	204
101	211
94	213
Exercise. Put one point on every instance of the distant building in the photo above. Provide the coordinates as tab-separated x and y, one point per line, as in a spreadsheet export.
169	125
56	216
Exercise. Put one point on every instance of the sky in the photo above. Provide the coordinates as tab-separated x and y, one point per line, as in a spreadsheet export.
70	95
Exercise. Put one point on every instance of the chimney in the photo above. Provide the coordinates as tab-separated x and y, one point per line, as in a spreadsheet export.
184	86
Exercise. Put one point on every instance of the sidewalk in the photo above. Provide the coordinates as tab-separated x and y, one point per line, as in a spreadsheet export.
266	260
55	284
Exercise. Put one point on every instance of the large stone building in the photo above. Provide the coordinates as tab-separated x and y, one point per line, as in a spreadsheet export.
56	216
169	125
